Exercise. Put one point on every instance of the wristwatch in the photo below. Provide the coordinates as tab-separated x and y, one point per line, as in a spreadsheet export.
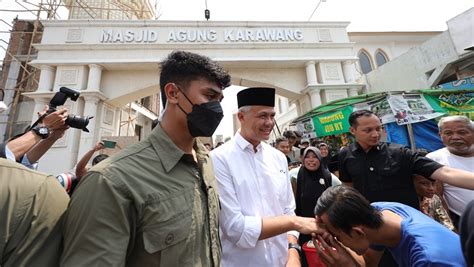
295	246
41	131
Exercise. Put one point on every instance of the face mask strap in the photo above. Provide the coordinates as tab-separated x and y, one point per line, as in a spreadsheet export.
179	88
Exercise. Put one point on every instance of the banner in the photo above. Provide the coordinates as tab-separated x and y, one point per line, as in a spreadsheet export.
399	108
453	103
331	123
466	83
411	108
380	107
306	126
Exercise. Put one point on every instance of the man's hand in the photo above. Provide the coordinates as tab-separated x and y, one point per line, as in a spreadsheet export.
98	146
55	120
332	253
306	225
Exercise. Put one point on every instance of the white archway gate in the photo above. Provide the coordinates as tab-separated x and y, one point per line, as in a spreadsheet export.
116	62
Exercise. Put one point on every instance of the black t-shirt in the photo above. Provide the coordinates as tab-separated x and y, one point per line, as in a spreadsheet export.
384	172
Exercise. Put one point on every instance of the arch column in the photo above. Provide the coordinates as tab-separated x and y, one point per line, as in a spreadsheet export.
348	71
95	76
315	97
46	80
311	77
88	139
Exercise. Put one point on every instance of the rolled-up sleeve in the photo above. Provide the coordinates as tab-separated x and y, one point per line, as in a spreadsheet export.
424	166
242	230
97	224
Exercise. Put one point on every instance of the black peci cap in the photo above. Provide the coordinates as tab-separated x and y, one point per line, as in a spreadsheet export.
256	96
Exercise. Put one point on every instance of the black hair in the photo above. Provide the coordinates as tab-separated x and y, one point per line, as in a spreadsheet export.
322	144
182	67
99	158
346	207
289	134
359	113
280	139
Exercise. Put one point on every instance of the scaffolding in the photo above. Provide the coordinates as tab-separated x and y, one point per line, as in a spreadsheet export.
27	79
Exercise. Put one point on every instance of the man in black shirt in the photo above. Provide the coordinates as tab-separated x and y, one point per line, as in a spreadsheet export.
382	172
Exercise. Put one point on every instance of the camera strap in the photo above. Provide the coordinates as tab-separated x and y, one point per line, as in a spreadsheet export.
36	122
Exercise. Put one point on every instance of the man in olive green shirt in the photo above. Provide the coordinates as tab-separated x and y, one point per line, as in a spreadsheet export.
32	204
156	203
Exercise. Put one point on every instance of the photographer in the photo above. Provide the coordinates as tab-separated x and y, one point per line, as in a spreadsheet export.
30	146
49	120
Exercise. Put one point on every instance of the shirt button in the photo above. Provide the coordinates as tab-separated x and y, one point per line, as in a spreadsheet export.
169	239
371	169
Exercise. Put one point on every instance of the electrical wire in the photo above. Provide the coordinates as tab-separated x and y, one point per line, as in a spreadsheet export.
317	5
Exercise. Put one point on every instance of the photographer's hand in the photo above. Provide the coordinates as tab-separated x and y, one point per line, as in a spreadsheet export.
55	120
98	146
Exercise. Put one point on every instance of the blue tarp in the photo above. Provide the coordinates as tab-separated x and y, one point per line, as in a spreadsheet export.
425	135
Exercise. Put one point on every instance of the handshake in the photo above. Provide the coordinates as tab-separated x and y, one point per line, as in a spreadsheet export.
324	249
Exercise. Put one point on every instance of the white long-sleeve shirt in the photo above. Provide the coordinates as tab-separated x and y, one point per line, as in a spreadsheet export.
251	185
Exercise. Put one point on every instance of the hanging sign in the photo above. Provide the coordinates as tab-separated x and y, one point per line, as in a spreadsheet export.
331	123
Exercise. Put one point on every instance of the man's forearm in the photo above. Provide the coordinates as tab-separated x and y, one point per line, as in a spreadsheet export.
277	225
38	151
293	254
81	165
22	144
455	177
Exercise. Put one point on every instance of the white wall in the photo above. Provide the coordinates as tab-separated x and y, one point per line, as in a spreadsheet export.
412	70
393	44
461	29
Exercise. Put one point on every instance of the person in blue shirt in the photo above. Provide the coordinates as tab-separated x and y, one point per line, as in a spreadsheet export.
413	238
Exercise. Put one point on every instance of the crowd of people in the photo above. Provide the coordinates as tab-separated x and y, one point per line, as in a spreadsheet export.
170	200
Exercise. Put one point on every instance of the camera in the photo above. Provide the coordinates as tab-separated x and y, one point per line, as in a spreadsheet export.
59	99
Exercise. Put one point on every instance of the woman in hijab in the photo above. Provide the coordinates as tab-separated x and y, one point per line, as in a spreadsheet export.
313	179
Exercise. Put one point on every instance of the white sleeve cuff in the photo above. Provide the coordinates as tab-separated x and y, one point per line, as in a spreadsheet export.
9	154
294	233
251	233
26	162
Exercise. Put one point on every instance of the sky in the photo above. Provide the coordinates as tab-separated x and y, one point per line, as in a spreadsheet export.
363	15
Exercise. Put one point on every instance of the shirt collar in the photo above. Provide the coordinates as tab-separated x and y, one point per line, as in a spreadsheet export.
356	146
166	150
243	144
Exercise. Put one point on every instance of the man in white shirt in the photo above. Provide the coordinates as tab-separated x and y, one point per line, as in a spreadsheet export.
457	133
257	220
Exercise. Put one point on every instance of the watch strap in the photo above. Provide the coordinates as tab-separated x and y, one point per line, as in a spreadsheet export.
41	131
295	246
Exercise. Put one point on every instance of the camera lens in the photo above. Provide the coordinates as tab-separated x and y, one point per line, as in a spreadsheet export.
78	122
